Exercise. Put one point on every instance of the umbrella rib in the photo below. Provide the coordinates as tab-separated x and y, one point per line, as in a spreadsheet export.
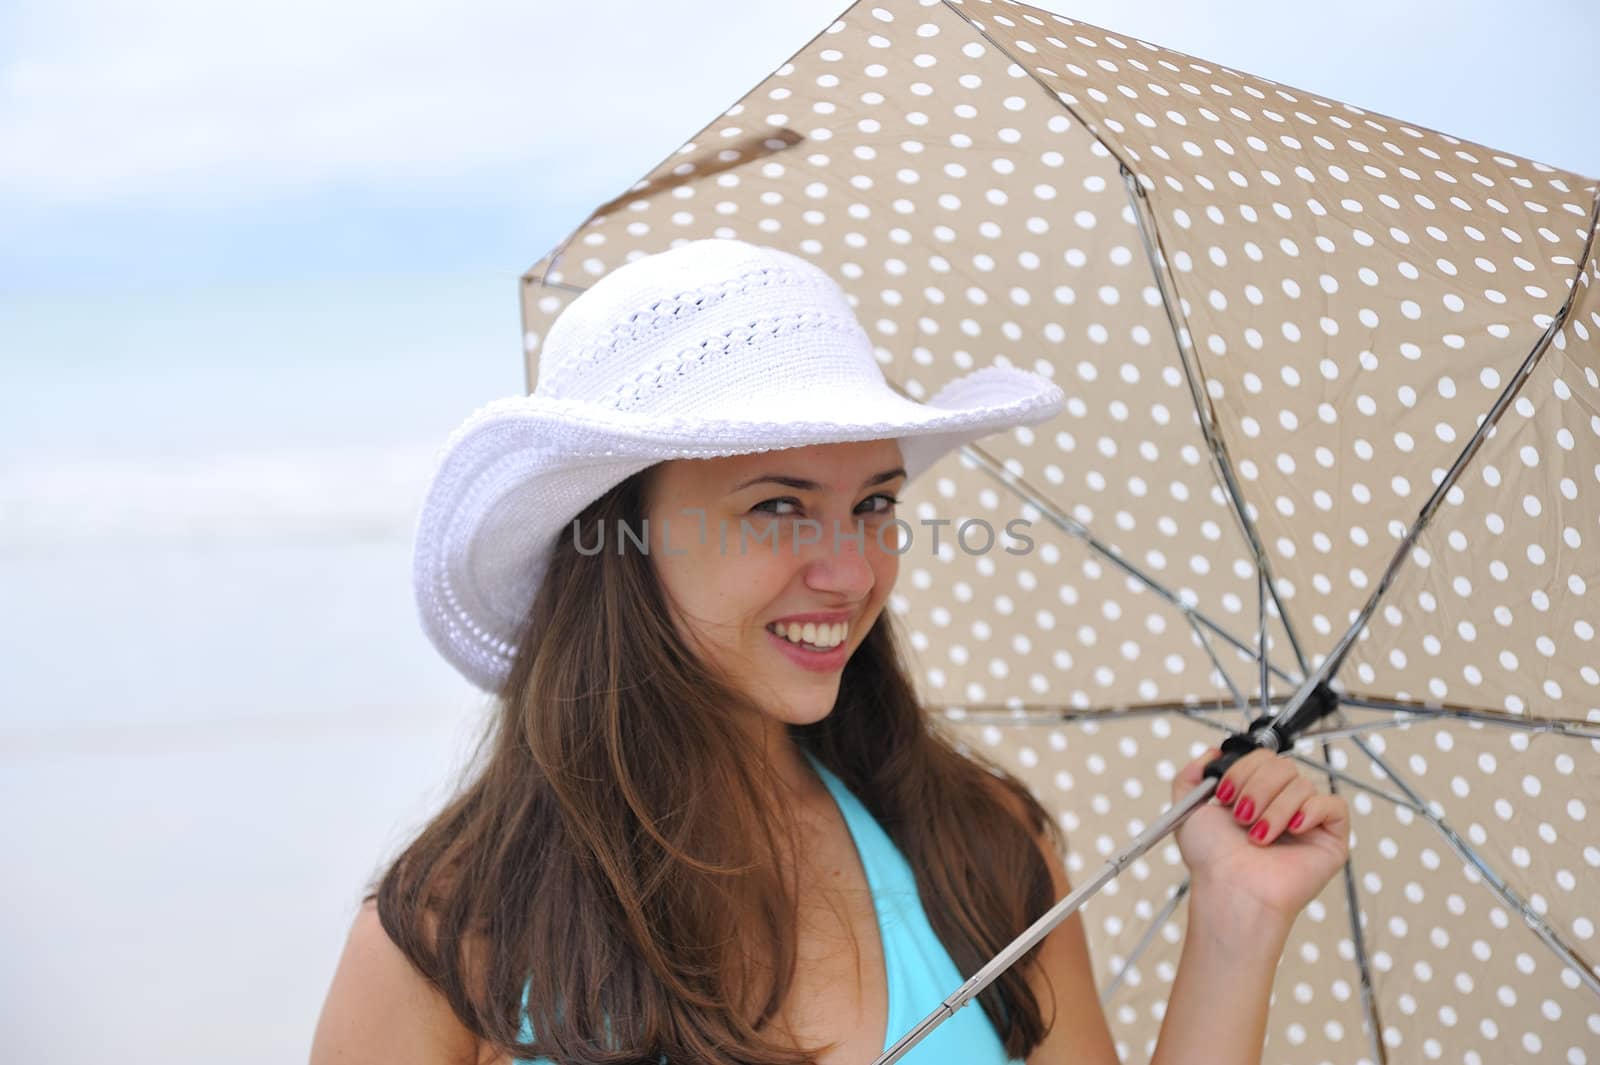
1026	65
1238	696
1144	218
1355	730
1137	194
1329	771
1077	530
1574	728
708	164
543	281
1145	940
1026	714
1581	965
1336	658
1261	638
1352	904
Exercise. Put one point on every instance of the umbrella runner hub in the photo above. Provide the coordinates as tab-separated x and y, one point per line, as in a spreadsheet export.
1275	732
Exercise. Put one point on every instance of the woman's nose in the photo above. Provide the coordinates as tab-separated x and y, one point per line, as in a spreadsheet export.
839	560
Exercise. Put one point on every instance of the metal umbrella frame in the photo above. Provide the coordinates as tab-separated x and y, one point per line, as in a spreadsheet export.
1278	317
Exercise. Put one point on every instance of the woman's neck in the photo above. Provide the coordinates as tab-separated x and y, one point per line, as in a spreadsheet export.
787	765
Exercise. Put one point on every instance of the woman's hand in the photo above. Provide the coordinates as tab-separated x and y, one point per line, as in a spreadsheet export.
1269	843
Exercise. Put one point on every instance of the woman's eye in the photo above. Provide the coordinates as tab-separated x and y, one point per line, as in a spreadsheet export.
766	505
775	502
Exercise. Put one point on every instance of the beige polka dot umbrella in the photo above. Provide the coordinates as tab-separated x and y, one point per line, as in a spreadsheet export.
1333	425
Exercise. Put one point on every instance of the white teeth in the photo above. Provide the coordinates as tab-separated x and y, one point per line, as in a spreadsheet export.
819	636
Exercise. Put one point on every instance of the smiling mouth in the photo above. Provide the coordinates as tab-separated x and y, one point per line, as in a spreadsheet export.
810	636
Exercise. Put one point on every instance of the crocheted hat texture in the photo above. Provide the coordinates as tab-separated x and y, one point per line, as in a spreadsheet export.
715	347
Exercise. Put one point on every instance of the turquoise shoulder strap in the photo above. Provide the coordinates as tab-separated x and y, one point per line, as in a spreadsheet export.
920	970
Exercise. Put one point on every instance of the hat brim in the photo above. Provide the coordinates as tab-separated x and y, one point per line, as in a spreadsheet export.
516	471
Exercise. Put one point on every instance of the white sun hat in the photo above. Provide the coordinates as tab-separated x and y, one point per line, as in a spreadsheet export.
715	347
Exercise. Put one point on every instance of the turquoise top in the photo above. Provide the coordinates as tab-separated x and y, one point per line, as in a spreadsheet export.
919	969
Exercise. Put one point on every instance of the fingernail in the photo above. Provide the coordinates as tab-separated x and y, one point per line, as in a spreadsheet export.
1259	833
1297	820
1244	810
1225	791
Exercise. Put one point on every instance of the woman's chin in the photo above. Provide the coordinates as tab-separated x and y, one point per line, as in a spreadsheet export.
802	707
792	700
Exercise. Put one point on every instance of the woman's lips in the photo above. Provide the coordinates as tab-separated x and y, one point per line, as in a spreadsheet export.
816	661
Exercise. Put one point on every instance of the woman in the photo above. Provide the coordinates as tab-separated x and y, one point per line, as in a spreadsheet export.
710	822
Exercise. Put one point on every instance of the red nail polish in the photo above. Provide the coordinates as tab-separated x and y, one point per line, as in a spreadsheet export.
1243	811
1225	791
1259	833
1297	820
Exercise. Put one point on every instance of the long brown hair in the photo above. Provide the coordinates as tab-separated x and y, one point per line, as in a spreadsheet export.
611	850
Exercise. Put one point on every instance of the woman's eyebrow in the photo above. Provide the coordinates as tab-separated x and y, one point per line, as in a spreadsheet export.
803	485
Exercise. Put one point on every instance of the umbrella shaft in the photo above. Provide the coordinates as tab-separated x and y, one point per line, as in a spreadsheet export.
1035	932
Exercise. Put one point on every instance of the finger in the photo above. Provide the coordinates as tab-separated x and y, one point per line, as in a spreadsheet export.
1330	812
1270	776
1271	821
1231	787
1189	776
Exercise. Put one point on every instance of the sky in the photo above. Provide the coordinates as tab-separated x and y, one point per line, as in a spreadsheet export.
185	144
294	229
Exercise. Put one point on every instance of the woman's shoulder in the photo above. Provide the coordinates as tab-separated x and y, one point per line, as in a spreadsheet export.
381	1009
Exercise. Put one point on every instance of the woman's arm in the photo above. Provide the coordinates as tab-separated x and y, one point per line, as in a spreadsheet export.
381	1011
1217	1010
1245	892
1267	846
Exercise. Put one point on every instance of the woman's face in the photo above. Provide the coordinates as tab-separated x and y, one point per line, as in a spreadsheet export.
745	546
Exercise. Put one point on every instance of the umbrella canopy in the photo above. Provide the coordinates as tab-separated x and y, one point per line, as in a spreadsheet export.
1334	412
